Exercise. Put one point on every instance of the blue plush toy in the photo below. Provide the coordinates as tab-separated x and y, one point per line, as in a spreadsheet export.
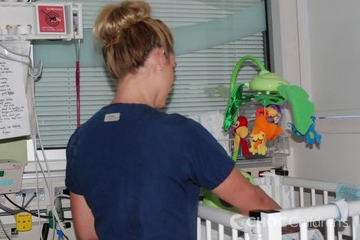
311	136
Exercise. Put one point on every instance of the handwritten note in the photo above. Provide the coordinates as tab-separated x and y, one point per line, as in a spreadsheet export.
14	114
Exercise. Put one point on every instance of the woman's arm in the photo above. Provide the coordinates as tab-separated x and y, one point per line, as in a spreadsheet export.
243	195
83	218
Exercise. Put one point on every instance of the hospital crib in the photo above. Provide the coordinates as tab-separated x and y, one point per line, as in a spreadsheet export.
310	205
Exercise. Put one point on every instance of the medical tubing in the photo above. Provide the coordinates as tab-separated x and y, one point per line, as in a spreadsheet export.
238	66
49	184
77	82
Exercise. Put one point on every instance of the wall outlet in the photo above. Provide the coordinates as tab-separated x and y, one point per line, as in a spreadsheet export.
26	194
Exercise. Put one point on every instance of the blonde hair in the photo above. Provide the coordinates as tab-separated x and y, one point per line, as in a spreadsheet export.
128	34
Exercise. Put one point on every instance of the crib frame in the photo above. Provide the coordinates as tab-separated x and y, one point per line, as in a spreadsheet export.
308	203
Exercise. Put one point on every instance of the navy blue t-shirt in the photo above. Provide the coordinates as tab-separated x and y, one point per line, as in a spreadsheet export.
140	171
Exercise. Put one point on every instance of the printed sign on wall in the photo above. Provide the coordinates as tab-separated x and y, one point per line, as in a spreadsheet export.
51	19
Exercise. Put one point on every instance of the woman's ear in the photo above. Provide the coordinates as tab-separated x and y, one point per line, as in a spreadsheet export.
158	59
161	58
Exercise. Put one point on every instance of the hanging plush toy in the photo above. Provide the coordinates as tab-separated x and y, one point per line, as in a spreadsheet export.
240	129
271	91
311	135
271	112
261	133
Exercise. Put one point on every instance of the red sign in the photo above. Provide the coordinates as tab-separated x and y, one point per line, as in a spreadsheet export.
51	19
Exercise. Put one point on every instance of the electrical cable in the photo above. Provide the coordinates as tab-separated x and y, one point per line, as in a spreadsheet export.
37	185
23	199
32	77
6	234
63	196
55	215
38	201
29	201
21	208
48	184
8	210
54	234
45	231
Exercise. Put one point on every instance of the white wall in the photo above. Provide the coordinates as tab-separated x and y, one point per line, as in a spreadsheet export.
320	51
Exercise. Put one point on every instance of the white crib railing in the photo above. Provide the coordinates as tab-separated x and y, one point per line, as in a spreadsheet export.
307	203
214	223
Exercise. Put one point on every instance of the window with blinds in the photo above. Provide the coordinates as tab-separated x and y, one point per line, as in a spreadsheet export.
203	68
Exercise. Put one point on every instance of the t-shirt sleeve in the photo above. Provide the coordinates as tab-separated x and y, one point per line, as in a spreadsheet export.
209	163
71	180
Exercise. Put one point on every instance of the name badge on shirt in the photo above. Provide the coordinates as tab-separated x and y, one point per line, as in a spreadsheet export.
112	117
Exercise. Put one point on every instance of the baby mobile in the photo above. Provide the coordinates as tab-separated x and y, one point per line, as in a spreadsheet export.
271	92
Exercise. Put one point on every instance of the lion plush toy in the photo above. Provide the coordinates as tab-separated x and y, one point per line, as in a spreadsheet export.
261	133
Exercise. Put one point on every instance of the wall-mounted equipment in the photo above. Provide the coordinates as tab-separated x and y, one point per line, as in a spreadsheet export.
31	21
20	24
13	158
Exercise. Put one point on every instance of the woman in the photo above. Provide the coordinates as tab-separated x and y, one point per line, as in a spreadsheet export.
135	172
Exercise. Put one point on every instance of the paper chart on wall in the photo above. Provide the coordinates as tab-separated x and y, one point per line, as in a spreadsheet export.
14	112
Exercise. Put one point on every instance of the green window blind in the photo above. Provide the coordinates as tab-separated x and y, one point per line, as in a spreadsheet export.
210	37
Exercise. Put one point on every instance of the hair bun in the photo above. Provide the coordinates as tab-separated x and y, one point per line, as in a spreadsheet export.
133	12
115	18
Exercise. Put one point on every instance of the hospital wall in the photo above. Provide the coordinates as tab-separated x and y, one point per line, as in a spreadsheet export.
317	46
